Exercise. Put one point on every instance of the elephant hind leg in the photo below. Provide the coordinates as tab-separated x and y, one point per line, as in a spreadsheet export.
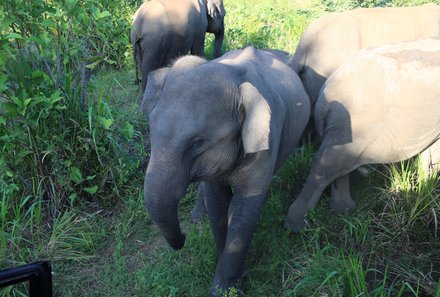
150	61
430	159
341	200
198	46
329	164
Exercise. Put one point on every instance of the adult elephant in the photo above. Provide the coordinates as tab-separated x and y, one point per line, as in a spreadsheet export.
242	117
380	106
166	29
334	37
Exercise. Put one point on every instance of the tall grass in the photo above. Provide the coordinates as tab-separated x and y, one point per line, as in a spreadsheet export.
71	182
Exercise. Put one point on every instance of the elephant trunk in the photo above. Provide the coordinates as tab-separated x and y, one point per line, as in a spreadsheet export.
163	188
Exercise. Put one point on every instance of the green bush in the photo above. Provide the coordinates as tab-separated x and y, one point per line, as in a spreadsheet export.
52	133
59	145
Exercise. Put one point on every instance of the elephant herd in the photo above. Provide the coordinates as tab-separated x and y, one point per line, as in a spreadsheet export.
367	79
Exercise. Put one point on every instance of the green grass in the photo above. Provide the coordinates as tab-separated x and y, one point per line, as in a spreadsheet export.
105	244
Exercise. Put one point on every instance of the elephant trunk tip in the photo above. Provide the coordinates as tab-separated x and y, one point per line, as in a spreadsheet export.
176	243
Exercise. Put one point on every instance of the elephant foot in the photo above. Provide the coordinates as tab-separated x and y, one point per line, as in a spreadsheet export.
364	171
197	214
295	220
295	225
231	289
342	206
341	200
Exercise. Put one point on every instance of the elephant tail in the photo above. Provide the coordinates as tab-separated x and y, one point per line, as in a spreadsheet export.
320	113
135	53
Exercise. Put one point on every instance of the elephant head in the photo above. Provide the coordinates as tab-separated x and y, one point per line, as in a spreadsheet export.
198	133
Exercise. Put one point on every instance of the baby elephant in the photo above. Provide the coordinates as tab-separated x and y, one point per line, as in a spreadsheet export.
381	106
166	29
241	118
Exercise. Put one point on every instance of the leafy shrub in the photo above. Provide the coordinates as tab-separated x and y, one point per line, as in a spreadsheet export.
58	143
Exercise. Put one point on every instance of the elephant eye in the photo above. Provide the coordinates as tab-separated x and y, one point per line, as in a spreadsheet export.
197	147
197	143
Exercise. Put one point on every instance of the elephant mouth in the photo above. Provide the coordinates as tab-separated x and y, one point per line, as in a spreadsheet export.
218	174
218	170
197	179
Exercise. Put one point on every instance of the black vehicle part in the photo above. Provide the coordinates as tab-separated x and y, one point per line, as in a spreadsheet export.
39	275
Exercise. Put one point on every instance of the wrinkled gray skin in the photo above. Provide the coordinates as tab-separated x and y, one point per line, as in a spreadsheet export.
327	42
239	120
380	106
166	29
199	210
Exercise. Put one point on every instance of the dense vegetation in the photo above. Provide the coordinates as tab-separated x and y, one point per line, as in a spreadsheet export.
72	144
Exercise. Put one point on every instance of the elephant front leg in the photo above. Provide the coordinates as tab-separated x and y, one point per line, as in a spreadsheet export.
307	200
217	197
219	36
199	209
243	215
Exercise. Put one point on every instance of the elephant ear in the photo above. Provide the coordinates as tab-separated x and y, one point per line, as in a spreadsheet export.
153	91
216	9
256	125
